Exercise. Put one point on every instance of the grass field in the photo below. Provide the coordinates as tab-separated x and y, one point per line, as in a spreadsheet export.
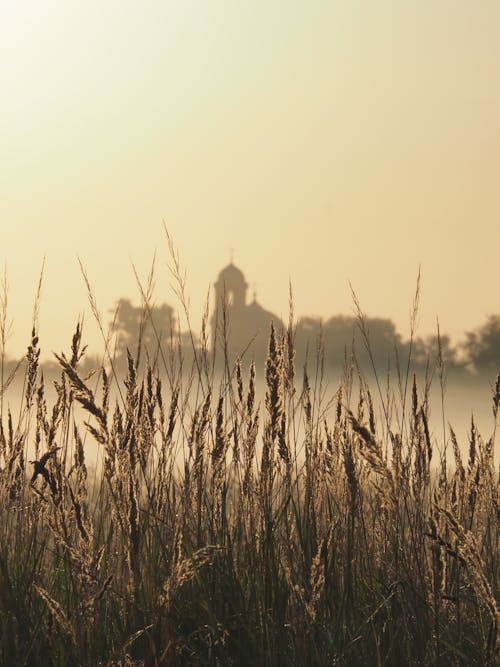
220	531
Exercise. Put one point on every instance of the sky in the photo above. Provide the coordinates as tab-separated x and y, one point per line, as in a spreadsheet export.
321	143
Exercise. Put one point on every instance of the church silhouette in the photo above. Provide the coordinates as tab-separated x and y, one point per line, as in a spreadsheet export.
241	328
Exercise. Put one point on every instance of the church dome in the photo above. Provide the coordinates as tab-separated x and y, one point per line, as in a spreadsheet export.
231	275
231	287
243	327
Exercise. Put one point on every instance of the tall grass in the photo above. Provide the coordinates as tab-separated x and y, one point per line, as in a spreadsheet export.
219	531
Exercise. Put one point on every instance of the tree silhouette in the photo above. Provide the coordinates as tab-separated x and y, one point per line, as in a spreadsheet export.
482	346
341	334
150	326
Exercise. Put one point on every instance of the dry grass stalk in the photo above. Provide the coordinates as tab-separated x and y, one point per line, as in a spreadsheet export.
336	538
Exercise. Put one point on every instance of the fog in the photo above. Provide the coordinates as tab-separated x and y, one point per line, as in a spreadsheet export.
455	408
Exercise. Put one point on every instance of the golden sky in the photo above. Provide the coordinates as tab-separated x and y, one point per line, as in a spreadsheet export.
325	141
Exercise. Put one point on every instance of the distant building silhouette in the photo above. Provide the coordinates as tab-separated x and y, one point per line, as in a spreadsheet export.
244	326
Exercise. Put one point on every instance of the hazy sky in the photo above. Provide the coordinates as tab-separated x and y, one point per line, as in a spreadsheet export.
324	141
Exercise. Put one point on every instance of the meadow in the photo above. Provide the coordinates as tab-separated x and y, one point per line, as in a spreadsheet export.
308	528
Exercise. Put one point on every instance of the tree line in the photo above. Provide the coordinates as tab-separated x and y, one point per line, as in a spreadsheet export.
154	332
335	339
